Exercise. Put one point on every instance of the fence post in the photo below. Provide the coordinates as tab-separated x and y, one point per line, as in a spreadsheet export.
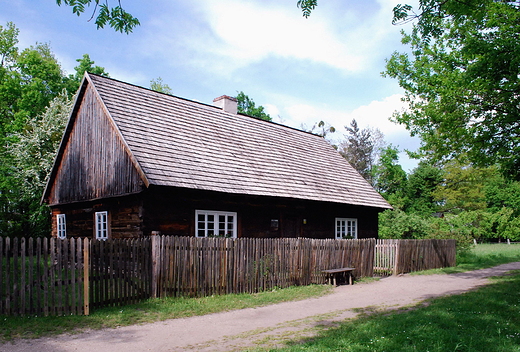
396	260
86	278
155	262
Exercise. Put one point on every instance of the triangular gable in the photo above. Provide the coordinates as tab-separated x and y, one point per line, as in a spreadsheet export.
94	160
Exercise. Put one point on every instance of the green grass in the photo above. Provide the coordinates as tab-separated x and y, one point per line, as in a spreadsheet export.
149	311
481	256
483	320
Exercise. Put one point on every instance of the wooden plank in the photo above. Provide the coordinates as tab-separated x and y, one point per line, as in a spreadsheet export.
30	276
72	275
3	288
23	277
86	277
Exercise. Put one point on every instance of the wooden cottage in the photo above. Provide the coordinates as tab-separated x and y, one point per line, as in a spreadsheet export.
133	161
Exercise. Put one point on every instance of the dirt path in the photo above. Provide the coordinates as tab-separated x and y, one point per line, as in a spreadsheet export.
266	326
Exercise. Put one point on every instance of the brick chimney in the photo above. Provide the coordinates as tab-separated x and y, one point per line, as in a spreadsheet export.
226	103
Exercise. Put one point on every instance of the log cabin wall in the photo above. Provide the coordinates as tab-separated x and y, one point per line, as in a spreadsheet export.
94	164
124	215
172	212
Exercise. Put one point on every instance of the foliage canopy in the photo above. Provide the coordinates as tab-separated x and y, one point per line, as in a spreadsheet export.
462	81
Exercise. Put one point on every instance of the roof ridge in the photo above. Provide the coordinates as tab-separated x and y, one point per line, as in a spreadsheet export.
201	103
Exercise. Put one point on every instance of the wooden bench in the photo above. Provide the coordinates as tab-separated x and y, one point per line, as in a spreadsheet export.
332	275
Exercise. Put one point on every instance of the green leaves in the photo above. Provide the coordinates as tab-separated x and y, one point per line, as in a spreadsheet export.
307	6
462	81
247	106
116	17
159	86
401	13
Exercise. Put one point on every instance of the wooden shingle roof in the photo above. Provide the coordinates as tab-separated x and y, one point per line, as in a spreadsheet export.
183	143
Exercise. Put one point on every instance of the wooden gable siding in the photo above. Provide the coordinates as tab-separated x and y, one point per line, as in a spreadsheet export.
94	163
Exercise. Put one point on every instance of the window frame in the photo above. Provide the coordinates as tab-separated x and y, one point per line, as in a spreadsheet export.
101	217
61	226
215	223
341	230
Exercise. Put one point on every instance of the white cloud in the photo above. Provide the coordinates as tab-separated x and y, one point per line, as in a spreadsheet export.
232	34
375	114
271	110
253	31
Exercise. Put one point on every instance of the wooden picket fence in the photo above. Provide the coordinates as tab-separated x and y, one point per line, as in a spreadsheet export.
206	266
385	257
120	272
45	276
393	257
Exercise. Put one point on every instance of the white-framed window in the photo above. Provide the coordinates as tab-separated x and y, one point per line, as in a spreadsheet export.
101	225
346	228
210	223
61	225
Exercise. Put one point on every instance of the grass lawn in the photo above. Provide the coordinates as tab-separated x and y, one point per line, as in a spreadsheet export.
487	319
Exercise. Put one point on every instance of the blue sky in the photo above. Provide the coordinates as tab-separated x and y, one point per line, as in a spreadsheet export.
326	67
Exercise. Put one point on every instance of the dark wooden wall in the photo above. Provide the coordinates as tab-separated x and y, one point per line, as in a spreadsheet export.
94	164
124	216
171	211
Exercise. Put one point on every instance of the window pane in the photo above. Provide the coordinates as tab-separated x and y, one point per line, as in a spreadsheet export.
215	223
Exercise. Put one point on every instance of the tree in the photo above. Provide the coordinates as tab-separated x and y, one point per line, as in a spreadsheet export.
502	193
462	80
30	128
159	86
247	106
115	16
307	6
85	65
321	129
361	148
463	188
389	177
422	183
33	151
29	80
